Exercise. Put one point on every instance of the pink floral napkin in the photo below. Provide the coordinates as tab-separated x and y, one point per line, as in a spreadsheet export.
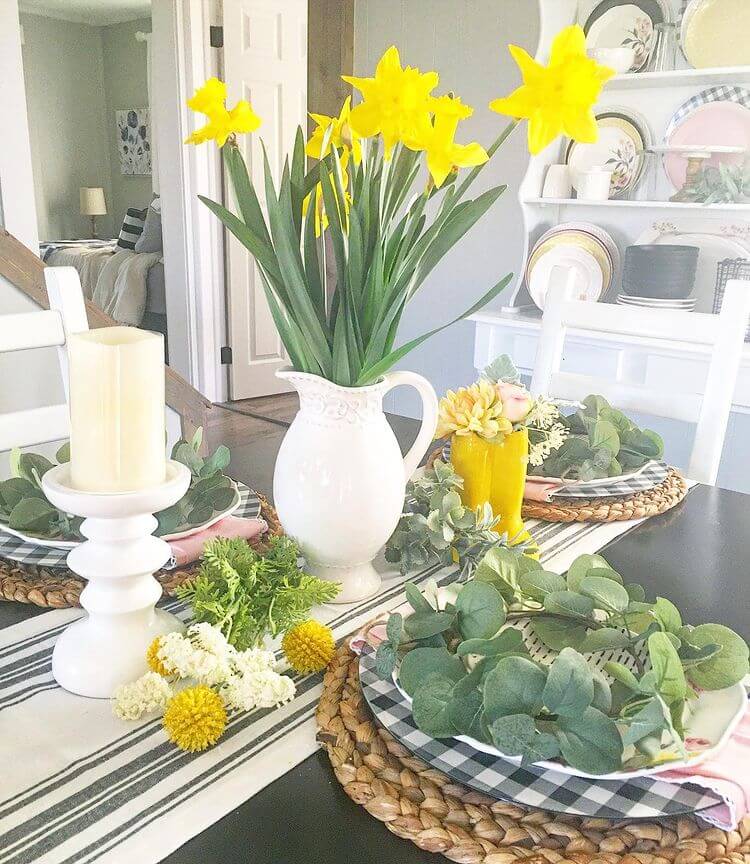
727	774
190	548
541	488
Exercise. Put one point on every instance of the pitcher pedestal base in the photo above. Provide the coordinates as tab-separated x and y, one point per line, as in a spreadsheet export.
357	582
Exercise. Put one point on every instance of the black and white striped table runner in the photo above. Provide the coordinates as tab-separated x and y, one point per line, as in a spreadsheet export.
81	786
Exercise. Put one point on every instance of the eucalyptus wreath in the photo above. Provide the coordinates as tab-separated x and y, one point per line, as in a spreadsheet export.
466	665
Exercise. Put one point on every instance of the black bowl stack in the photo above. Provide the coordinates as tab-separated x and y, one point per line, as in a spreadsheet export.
659	276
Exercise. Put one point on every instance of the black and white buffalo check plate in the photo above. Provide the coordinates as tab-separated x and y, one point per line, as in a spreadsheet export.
529	785
722	93
14	549
650	477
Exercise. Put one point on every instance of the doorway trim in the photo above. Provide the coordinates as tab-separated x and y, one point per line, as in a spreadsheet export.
193	239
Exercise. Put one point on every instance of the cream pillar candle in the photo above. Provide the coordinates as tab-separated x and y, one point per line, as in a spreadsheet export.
117	410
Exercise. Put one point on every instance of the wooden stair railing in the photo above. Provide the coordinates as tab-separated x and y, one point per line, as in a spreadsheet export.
22	268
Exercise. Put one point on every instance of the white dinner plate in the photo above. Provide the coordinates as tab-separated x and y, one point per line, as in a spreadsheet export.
713	717
554	267
177	535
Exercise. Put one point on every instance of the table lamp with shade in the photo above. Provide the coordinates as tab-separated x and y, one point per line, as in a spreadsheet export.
93	204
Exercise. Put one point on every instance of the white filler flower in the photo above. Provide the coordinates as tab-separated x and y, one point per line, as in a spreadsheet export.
148	694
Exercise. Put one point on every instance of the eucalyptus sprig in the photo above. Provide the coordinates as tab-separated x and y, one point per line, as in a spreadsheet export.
601	442
568	709
437	528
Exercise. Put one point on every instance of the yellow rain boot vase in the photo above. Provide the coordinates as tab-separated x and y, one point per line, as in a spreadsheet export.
494	472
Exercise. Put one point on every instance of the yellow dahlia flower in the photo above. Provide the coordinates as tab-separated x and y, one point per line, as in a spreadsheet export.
155	663
477	410
309	646
195	718
558	98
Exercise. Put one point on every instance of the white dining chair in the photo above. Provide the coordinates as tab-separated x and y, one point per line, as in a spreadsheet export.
721	335
45	328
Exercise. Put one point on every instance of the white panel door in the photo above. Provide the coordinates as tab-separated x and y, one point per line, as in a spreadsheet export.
265	62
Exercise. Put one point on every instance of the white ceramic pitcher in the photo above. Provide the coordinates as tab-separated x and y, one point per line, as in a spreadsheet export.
340	479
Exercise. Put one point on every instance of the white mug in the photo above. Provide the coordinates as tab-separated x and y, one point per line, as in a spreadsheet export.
557	183
594	183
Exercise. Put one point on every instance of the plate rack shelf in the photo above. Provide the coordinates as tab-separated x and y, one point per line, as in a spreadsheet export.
655	96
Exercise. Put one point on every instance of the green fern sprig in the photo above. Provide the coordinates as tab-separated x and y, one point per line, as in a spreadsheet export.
249	595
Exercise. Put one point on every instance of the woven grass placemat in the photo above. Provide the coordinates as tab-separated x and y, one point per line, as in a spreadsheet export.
60	588
652	502
420	804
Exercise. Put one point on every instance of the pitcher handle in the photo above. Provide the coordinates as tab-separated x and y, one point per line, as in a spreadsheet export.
429	416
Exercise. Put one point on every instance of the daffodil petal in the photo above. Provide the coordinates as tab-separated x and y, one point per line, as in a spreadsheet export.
570	41
543	129
469	155
522	102
531	71
581	127
365	120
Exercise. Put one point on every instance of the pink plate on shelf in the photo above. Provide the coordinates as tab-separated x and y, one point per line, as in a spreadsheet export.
714	124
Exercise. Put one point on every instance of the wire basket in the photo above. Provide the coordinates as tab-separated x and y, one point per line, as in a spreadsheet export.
730	268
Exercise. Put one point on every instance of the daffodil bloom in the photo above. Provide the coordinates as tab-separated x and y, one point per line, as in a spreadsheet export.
321	217
558	98
436	136
222	123
394	102
341	136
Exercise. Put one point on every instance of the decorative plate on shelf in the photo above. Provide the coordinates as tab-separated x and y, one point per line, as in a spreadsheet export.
715	33
709	722
629	23
623	136
721	122
33	552
723	93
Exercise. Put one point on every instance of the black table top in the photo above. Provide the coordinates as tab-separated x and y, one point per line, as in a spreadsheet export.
697	554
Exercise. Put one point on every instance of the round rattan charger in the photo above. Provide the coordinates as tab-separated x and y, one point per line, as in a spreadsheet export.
57	588
640	505
421	804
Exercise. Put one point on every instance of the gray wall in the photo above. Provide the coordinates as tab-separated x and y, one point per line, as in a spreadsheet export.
125	86
465	41
63	69
77	76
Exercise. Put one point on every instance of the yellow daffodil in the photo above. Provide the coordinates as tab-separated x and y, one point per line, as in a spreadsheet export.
558	98
321	217
210	99
342	134
436	136
394	102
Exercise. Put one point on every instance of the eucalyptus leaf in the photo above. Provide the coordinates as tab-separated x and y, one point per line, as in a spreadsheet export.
590	742
481	611
538	583
668	615
650	720
430	706
419	663
508	640
556	634
514	686
666	665
417	601
421	625
604	639
570	684
32	514
385	659
606	593
465	713
727	667
569	603
580	568
63	453
516	735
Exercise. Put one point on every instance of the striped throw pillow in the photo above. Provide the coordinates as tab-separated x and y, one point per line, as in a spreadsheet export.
132	228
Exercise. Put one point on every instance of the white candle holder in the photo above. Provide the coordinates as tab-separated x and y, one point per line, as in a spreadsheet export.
107	647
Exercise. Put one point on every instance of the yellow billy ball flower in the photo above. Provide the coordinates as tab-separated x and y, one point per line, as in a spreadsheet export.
195	718
155	663
309	646
559	98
